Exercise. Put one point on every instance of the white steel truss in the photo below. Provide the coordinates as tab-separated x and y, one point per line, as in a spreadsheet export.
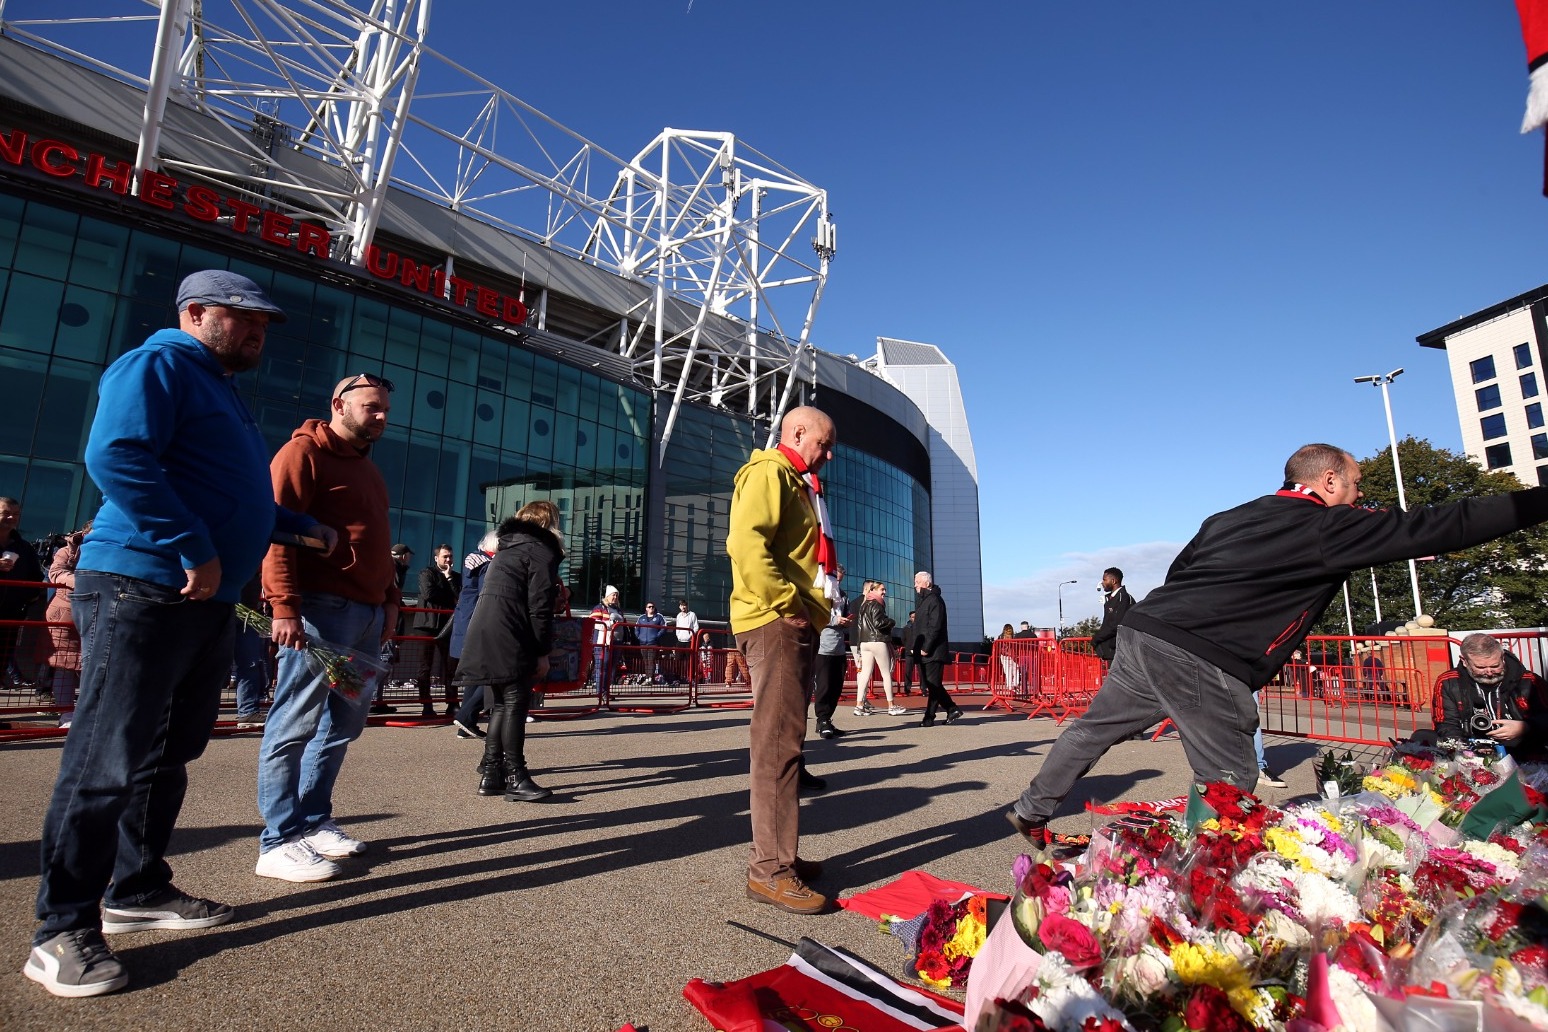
324	105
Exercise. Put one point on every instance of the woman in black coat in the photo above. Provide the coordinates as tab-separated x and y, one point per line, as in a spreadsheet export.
508	641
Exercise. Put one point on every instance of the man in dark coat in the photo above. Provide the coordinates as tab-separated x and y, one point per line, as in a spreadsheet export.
1114	607
929	644
18	563
439	586
1490	686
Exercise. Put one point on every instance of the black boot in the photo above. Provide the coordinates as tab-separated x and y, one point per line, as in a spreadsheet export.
492	776
520	788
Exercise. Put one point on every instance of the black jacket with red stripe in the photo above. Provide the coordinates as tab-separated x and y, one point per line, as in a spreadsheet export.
1520	696
1252	582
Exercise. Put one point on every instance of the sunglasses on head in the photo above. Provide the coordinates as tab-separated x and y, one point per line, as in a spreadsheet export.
365	380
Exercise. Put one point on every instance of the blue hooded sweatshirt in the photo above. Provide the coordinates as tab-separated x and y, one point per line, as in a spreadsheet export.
183	468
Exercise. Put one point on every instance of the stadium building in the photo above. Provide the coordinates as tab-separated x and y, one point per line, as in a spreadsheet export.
612	333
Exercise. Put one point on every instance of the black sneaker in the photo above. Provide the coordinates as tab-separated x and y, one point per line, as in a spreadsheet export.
809	781
173	910
76	963
954	716
382	707
1268	777
469	730
827	730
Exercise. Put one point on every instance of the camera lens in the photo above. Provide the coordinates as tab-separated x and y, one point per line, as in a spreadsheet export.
1481	723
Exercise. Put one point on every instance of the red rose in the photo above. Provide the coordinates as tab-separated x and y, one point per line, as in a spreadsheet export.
1014	1017
1209	1010
1096	1024
1071	939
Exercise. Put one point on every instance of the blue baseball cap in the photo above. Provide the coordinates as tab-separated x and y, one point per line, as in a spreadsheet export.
228	289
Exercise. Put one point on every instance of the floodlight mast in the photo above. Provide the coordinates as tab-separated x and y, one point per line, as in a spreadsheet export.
1397	471
322	108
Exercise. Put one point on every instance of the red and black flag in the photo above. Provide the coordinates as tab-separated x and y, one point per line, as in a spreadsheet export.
1534	30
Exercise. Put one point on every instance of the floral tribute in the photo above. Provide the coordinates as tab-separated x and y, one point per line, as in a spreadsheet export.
347	671
949	938
1353	912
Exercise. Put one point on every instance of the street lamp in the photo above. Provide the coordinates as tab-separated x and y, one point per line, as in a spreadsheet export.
1397	469
1060	592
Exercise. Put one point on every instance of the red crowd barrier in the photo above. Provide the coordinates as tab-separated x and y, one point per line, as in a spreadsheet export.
1044	676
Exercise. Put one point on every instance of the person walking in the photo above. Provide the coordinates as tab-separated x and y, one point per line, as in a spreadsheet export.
874	627
1236	603
929	645
832	660
350	599
439	586
910	658
780	542
509	638
186	516
648	630
474	568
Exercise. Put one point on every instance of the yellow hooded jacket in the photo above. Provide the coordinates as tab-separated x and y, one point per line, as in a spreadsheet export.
773	546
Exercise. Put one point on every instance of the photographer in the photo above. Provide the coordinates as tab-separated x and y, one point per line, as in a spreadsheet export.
1490	695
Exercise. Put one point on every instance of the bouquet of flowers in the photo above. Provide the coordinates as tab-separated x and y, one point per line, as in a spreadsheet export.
950	936
350	672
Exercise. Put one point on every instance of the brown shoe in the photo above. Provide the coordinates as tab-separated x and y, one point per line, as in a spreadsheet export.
807	870
788	893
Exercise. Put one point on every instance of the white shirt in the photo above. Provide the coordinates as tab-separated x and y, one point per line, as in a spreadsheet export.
687	624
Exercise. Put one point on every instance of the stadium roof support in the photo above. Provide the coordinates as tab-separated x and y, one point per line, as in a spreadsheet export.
326	107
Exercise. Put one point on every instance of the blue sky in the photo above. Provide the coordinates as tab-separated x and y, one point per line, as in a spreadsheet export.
1159	241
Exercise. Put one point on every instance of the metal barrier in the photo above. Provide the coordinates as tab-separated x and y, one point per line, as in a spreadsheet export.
1044	676
645	678
721	678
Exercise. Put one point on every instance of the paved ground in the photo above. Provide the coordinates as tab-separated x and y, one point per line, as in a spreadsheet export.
581	913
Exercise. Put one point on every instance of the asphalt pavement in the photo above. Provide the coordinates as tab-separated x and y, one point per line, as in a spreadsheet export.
580	913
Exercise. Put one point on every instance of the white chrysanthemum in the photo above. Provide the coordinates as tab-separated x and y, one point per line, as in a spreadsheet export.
1065	1000
1375	854
1505	861
1323	901
1349	997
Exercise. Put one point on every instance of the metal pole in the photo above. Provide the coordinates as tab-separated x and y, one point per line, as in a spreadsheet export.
1397	471
1348	612
1060	593
1375	595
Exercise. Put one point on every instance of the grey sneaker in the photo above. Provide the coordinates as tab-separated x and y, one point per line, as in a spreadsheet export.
173	910
249	721
76	963
1268	777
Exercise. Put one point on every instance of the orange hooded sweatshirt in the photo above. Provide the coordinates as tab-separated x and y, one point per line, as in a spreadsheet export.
318	473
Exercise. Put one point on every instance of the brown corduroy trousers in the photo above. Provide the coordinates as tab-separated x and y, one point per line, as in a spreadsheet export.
779	655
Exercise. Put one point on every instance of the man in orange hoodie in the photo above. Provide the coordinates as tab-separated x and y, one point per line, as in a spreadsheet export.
346	597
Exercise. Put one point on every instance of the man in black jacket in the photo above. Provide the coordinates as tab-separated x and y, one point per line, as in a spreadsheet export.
439	586
1114	607
1490	686
929	644
1237	601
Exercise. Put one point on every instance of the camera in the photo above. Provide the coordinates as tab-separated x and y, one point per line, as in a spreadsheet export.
1481	722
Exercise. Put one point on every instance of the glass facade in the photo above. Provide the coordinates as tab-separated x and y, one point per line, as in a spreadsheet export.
479	425
881	515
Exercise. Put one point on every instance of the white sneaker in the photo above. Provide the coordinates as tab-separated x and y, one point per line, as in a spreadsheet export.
864	710
896	711
297	862
329	840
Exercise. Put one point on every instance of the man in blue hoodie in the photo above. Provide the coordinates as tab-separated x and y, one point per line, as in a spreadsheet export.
187	516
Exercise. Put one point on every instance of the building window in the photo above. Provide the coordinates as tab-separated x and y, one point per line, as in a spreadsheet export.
1540	446
1534	413
1483	368
1493	426
1529	385
1542	476
1523	356
1497	455
1488	397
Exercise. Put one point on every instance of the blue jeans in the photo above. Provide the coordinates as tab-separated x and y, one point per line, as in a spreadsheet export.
252	671
153	666
310	726
1151	679
1257	736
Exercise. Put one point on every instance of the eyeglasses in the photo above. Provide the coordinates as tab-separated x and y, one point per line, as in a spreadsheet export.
366	380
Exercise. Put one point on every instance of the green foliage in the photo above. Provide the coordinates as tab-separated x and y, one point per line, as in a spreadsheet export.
1502	583
1084	628
1343	771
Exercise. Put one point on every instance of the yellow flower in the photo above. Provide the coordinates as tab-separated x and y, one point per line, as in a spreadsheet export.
1202	965
1288	845
1256	1005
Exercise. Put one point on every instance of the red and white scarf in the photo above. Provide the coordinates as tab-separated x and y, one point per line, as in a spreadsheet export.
827	550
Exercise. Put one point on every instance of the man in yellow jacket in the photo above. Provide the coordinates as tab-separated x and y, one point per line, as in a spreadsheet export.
782	558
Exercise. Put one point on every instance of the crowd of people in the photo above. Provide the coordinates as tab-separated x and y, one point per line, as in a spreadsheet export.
198	517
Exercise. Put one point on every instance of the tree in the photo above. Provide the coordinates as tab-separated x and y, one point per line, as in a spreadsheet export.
1084	627
1502	583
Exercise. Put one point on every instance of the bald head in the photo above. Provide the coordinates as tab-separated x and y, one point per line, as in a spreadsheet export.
810	434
